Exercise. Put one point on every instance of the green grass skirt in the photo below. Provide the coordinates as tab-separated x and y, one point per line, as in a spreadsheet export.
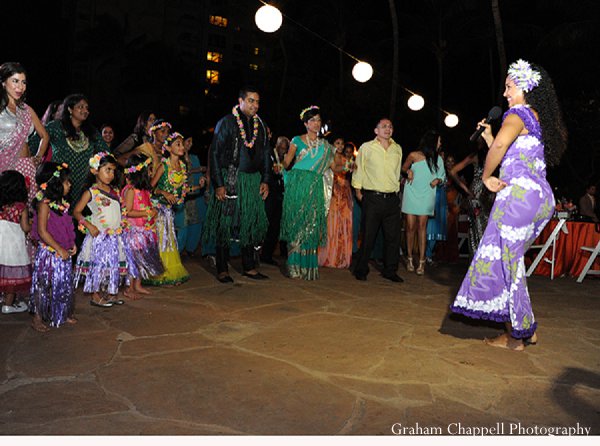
243	218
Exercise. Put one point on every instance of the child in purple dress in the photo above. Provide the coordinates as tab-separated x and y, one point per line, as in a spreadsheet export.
52	289
532	135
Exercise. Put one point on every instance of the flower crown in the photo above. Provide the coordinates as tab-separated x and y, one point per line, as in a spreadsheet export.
156	127
310	107
524	77
169	140
94	161
138	167
44	186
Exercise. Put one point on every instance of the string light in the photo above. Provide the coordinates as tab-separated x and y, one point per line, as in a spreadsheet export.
451	120
416	102
268	18
362	71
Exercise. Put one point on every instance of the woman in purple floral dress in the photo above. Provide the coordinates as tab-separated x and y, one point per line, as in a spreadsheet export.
532	135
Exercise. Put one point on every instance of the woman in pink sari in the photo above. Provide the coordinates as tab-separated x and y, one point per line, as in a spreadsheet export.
17	122
338	251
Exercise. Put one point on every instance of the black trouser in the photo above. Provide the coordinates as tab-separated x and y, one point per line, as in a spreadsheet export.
379	210
248	261
273	208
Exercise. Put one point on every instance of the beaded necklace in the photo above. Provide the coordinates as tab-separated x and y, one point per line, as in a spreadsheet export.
313	146
240	124
79	145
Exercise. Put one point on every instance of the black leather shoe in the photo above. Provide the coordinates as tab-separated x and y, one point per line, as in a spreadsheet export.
225	279
257	276
269	261
393	277
103	305
362	277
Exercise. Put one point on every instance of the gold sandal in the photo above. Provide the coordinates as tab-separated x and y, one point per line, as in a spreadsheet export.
421	268
409	265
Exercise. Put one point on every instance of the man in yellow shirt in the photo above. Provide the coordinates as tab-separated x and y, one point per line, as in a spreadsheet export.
377	182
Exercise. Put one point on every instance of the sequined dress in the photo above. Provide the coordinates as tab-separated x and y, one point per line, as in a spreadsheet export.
102	262
52	290
141	242
174	182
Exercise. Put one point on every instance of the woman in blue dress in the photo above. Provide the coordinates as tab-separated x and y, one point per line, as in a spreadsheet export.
425	170
532	135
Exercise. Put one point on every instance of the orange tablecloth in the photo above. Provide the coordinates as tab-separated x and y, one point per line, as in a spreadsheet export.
570	259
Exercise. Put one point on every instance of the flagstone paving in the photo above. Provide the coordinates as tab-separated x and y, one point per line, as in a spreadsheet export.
288	357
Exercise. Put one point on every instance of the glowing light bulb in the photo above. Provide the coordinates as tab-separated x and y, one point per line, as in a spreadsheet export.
362	71
451	120
416	102
268	18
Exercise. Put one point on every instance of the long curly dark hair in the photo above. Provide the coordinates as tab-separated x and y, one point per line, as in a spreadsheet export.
13	188
86	126
8	69
544	101
140	178
54	184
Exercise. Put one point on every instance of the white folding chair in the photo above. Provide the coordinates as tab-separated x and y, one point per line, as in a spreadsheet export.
462	236
586	269
551	242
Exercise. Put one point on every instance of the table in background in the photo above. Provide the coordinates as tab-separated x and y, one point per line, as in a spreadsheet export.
569	258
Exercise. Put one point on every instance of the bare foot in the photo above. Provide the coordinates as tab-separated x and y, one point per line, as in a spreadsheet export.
531	341
131	295
97	298
506	341
39	326
142	290
71	321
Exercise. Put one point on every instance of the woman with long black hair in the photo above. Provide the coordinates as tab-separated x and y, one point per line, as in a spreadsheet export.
425	170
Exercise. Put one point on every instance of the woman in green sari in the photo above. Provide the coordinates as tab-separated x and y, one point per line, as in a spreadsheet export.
307	195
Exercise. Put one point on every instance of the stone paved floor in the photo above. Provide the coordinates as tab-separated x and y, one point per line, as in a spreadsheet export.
334	356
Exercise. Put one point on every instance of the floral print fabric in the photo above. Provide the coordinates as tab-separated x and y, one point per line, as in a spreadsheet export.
495	287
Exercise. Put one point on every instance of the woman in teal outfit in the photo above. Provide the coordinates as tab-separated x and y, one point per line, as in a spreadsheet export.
425	170
307	194
190	216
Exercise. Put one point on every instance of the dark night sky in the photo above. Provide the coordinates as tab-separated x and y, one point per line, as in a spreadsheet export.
560	35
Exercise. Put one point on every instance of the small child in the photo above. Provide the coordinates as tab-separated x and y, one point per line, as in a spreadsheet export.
102	260
170	180
15	263
52	292
141	242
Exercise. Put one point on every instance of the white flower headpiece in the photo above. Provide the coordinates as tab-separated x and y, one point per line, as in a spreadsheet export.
524	77
95	160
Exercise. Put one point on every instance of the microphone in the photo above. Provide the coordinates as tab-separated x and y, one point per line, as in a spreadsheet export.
493	114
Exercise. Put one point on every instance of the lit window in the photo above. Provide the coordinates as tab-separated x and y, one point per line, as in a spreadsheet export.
256	51
213	56
253	66
218	21
212	76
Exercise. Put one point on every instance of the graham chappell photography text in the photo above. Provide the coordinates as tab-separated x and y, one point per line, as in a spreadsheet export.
500	428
